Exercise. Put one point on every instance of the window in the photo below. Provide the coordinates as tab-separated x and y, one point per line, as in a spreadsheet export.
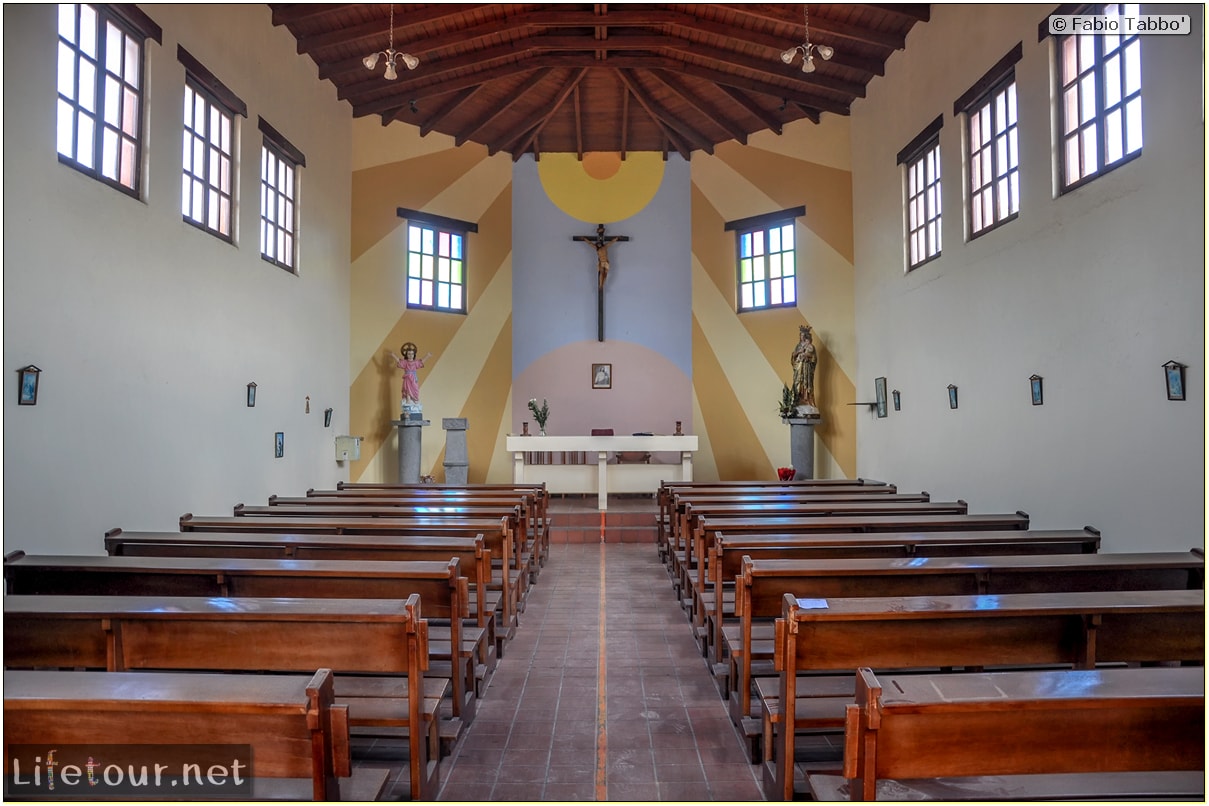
100	82
992	156
1100	96
922	180
279	163
994	160
436	268
208	178
767	261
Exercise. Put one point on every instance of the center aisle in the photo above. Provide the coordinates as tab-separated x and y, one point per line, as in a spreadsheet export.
577	712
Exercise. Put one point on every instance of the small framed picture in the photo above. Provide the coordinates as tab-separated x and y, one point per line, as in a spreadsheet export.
252	394
1035	383
898	400
279	444
1174	371
327	418
952	396
27	385
602	376
879	385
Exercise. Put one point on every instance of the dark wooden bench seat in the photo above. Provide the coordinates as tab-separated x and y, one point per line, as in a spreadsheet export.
498	533
297	734
537	494
670	491
440	585
726	551
762	585
1074	629
353	637
968	736
692	565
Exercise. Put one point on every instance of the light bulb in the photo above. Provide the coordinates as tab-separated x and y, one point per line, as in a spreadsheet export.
787	55
412	62
370	61
808	64
826	51
390	74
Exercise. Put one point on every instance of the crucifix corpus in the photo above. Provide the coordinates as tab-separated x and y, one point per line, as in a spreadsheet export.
600	244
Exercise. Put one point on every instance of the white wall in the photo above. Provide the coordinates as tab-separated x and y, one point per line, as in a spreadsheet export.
1093	290
147	329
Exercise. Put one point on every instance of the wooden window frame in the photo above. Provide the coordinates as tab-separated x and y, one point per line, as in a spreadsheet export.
762	262
983	97
279	164
216	177
922	202
1097	125
439	226
117	84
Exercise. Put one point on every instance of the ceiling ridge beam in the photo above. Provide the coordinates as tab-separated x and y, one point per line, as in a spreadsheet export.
378	29
781	14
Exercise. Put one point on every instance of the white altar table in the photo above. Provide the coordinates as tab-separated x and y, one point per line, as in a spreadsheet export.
598	475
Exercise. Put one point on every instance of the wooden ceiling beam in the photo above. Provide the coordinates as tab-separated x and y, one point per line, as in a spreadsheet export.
708	110
509	139
625	120
768	119
571	83
579	128
474	127
916	12
412	91
294	13
661	118
378	30
777	69
764	88
792	15
429	123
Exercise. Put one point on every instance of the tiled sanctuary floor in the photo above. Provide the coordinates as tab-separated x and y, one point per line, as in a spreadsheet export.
564	721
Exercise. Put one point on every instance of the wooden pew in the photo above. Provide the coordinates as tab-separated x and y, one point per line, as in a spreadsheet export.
1080	629
768	503
533	499
726	552
488	585
498	534
763	584
671	495
382	639
453	650
695	575
298	736
1036	735
540	496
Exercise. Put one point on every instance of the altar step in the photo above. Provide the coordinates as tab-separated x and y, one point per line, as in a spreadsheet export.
575	519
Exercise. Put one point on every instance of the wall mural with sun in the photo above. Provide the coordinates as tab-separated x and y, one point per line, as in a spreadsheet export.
677	348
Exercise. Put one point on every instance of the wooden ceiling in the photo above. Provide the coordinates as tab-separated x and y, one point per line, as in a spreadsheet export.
577	77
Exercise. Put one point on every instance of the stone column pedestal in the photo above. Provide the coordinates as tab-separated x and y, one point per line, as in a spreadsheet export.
801	445
409	449
457	458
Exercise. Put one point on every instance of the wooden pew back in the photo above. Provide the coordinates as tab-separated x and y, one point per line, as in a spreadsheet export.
291	723
1005	724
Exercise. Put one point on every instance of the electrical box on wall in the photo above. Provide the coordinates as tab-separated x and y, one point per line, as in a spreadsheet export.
348	448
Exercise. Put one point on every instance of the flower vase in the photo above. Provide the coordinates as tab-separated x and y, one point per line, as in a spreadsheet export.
542	432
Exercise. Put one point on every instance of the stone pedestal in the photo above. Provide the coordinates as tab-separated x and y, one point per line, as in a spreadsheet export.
409	449
457	458
801	445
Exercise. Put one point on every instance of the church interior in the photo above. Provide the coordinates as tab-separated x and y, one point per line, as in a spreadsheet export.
578	223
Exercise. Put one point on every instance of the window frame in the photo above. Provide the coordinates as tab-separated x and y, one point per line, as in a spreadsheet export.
216	100
765	225
133	27
287	158
438	225
1101	109
999	80
922	147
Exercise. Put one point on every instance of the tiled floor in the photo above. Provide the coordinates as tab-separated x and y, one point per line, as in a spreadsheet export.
558	723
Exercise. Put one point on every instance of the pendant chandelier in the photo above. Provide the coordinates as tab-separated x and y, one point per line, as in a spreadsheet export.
392	55
806	48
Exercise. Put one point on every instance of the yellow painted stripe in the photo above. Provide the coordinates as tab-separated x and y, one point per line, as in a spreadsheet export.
602	736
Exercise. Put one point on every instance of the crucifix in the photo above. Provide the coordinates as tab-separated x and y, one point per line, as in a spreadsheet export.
600	244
